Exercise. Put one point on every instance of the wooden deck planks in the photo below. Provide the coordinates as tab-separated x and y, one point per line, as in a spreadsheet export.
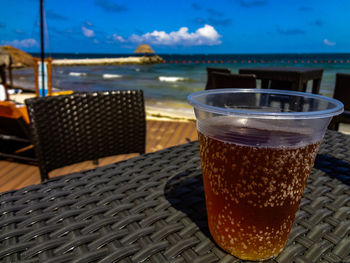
160	135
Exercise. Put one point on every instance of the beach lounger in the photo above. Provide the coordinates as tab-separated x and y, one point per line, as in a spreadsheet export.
15	137
86	126
210	71
342	93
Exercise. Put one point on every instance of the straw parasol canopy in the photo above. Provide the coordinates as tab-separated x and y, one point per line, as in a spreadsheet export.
144	49
19	57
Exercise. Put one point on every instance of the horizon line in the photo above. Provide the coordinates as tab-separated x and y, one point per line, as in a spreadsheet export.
206	54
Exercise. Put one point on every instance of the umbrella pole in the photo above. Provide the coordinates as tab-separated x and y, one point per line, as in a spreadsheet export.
4	82
42	46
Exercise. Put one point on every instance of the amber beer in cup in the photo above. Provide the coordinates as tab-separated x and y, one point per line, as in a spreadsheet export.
257	149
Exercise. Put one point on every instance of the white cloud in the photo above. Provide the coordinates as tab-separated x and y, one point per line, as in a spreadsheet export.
329	43
96	41
25	43
206	35
87	32
118	38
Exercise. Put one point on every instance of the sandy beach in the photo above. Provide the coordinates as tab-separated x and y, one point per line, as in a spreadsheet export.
159	110
167	111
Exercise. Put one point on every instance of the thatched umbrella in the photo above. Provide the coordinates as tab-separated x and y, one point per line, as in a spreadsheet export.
19	57
11	57
144	49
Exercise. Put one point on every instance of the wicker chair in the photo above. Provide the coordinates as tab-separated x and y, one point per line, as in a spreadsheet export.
210	71
227	80
342	93
86	126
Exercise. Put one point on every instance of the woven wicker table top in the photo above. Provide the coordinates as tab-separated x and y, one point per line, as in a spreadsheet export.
151	209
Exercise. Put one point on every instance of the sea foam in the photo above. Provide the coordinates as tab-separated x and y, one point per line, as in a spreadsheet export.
111	76
170	79
77	74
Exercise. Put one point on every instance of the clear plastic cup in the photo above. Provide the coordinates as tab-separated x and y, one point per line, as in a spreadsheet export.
257	149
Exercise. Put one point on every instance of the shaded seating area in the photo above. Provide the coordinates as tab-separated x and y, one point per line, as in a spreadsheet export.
86	126
341	93
15	137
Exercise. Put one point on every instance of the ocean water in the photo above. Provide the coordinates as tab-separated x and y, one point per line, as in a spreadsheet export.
180	75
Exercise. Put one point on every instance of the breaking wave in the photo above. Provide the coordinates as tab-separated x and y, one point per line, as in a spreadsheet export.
111	76
77	74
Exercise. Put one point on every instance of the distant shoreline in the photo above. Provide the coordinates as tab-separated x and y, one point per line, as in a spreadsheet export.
108	61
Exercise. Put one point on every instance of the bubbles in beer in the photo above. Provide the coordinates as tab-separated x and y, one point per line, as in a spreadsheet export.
253	192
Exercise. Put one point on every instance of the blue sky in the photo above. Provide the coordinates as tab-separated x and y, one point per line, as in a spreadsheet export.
182	26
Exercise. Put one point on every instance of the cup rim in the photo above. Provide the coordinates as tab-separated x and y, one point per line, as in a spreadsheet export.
337	109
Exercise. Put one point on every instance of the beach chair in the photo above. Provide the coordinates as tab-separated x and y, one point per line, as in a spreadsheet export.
86	126
210	71
228	80
15	137
342	93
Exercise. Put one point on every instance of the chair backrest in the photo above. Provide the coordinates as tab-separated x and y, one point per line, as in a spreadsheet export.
210	71
342	89
12	121
280	84
227	80
86	126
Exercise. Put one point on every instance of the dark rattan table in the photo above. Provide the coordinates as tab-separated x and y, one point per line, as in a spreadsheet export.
298	76
151	209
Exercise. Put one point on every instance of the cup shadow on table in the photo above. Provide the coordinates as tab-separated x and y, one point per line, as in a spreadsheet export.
333	167
185	192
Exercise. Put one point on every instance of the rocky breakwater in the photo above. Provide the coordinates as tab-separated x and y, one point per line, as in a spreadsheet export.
152	59
108	61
